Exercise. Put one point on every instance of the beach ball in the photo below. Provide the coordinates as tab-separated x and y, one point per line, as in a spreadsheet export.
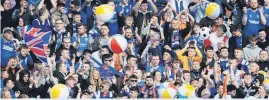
205	33
104	13
266	85
59	91
117	43
212	10
167	90
186	91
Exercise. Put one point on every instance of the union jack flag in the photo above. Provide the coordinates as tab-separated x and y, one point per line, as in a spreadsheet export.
36	46
37	32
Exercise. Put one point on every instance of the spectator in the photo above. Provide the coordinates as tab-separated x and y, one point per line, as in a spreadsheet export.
26	84
262	43
253	23
6	12
72	27
61	72
192	51
155	65
208	60
8	47
216	37
149	90
25	58
251	51
238	40
106	71
75	7
224	58
247	85
13	68
66	44
4	75
58	33
113	23
82	40
142	16
9	84
134	93
198	8
43	21
60	14
26	12
263	60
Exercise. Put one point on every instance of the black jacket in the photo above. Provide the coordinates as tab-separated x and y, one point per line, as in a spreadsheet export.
23	87
59	76
233	44
242	91
182	34
263	65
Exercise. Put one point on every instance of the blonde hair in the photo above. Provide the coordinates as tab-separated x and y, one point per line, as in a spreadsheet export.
98	81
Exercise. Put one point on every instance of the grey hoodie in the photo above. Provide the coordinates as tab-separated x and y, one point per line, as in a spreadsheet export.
251	52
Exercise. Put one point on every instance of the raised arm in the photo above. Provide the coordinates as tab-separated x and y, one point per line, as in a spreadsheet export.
40	5
245	18
137	6
263	20
155	10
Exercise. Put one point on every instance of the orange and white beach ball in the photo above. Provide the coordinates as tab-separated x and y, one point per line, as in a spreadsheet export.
117	43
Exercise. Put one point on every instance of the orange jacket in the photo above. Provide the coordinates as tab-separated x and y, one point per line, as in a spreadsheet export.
184	59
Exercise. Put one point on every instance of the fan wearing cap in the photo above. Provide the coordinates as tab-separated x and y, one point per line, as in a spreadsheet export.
8	48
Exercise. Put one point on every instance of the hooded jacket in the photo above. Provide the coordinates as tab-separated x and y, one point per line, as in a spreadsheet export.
23	87
251	52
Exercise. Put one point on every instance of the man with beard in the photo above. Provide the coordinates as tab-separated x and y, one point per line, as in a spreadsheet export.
253	18
149	90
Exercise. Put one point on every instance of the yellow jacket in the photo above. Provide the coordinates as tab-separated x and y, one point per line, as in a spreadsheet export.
184	59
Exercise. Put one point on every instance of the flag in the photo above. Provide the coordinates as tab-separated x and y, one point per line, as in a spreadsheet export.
44	35
36	46
37	32
24	30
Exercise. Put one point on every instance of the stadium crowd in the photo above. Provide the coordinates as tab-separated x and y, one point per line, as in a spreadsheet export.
168	41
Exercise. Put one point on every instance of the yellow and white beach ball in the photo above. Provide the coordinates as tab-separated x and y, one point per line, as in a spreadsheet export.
59	91
104	13
212	10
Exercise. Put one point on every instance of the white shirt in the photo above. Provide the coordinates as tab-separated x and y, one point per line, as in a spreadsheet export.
185	4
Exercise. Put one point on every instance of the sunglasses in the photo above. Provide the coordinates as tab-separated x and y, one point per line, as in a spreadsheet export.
102	87
109	60
133	80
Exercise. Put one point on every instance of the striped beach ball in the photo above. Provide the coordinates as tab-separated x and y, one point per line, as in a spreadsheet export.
59	91
212	10
117	43
104	13
167	90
